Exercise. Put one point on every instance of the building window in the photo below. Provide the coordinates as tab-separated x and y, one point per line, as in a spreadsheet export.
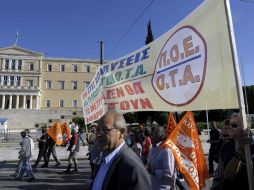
75	68
31	66
19	64
75	85
5	80
48	84
62	68
30	83
61	83
7	61
86	84
49	67
74	103
13	64
48	103
61	103
12	80
18	81
87	68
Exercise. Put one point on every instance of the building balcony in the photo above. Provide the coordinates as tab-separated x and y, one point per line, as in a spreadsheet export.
19	88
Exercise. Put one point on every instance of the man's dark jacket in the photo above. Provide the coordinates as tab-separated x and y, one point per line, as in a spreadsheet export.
126	172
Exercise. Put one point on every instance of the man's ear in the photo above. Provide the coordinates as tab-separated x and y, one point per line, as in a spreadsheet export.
122	131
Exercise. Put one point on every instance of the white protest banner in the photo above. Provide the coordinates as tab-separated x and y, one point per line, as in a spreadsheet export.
188	68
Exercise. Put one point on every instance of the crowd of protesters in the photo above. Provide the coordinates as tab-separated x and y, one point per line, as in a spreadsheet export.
116	149
227	150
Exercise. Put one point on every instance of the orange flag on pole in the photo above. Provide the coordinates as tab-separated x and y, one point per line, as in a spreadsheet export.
65	132
57	132
188	152
171	124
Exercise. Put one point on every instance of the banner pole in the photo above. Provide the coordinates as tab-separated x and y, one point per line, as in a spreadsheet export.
207	124
249	164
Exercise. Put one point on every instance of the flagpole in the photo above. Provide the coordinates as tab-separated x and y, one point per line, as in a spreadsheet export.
249	164
17	37
245	97
207	123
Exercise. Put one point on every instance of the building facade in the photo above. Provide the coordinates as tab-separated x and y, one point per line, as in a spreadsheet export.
31	83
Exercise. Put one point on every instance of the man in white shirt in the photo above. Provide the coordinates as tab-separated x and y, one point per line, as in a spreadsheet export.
161	162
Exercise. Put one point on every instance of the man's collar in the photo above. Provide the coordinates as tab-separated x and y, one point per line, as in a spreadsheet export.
157	144
112	154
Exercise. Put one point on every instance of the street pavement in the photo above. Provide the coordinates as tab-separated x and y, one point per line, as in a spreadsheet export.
51	178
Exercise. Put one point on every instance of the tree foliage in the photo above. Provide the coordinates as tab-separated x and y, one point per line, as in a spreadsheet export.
149	37
249	98
80	121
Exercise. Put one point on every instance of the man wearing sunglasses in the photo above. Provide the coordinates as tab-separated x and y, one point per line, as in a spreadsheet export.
121	169
232	157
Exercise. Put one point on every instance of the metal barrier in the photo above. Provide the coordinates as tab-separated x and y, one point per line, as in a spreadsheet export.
13	135
3	135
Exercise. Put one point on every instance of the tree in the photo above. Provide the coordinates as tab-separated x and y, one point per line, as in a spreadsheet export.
149	37
80	121
249	99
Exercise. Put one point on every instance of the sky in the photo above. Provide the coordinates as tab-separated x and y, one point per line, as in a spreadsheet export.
74	28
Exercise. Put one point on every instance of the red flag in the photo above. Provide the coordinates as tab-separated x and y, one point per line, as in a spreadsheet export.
188	152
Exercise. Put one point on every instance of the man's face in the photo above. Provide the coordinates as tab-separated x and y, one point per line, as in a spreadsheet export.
23	135
155	138
107	135
235	126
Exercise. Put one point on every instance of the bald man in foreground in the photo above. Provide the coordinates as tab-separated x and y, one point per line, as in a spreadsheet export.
120	168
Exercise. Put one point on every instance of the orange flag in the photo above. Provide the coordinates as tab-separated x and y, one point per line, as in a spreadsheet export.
171	124
187	149
65	132
57	133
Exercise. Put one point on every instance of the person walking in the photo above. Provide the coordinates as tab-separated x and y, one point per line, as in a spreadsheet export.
213	151
74	149
25	154
161	162
91	139
121	169
136	146
42	145
232	161
51	150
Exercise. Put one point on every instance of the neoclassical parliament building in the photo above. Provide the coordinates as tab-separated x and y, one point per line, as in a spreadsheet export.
34	88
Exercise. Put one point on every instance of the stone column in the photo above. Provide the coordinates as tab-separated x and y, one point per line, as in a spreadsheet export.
2	80
8	80
10	102
37	102
3	101
10	63
31	102
3	64
15	80
24	102
17	102
16	64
